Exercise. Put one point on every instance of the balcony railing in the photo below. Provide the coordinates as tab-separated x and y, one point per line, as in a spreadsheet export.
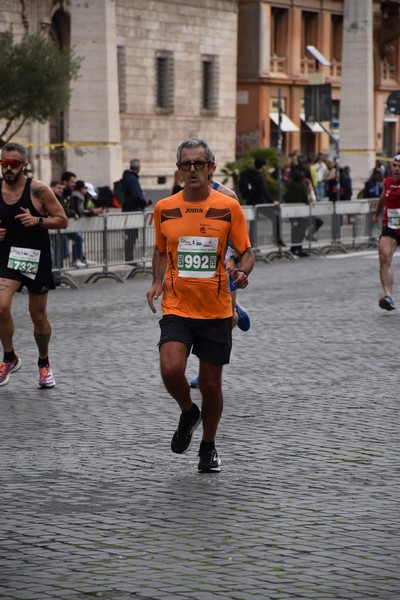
278	64
307	65
336	69
388	70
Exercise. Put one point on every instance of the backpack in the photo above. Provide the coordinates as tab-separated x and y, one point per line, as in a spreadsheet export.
247	186
331	190
118	192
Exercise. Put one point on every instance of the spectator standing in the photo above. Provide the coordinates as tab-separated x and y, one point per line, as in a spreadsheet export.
69	180
288	168
91	201
133	201
254	191
320	169
192	230
59	244
28	209
296	193
314	180
382	168
330	181
81	201
389	240
346	190
77	203
252	184
177	184
303	165
315	222
374	185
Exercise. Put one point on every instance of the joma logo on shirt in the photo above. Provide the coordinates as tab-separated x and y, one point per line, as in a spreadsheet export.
194	210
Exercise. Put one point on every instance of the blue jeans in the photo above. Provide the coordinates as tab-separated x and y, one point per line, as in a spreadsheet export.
77	241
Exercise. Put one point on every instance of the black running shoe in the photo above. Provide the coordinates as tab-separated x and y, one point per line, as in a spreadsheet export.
183	436
209	461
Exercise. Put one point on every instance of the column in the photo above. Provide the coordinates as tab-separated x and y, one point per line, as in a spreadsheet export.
356	101
93	135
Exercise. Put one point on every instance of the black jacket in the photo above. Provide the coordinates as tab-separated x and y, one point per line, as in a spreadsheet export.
134	199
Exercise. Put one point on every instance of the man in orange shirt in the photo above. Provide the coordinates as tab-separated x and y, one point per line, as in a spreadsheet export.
192	230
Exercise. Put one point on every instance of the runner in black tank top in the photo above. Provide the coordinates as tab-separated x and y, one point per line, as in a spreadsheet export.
23	237
28	209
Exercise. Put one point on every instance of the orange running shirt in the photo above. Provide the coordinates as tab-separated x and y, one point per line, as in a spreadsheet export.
194	236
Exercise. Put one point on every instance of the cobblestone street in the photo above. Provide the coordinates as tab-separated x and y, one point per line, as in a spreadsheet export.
95	505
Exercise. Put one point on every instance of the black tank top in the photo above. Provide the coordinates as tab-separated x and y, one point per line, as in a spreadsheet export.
20	236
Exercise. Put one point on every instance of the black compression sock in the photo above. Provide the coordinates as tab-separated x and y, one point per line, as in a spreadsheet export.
9	356
205	445
43	362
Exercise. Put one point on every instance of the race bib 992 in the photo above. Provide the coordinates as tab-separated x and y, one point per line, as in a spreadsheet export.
197	256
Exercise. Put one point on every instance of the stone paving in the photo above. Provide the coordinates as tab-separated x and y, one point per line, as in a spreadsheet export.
94	505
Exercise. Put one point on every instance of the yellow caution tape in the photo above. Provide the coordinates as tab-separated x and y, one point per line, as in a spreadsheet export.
67	145
358	152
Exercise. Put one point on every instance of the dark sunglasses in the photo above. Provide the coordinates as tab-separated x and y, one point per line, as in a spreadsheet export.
11	162
186	165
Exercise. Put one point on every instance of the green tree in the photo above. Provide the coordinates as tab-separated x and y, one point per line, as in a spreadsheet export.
35	77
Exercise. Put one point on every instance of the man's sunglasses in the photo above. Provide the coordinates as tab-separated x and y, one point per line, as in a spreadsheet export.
11	162
186	165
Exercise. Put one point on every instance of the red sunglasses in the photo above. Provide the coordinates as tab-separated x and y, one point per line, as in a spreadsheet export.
11	162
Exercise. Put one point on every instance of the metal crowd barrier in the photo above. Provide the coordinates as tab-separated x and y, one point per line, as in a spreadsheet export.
345	225
105	241
117	238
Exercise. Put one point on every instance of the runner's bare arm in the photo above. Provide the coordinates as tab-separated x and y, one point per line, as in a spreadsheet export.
245	267
379	207
159	270
46	203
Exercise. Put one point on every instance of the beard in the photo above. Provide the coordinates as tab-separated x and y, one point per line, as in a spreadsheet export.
13	179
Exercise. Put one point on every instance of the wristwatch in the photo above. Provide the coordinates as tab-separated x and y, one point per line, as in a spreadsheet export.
40	220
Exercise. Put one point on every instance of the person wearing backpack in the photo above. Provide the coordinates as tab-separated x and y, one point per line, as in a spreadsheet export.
374	185
133	200
253	189
252	184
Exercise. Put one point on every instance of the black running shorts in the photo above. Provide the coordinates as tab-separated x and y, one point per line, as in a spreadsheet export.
42	283
208	339
389	232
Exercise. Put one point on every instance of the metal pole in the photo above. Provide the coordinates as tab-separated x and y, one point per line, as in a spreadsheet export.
337	175
280	146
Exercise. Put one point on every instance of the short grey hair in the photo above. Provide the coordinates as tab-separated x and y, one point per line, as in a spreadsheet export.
195	143
14	147
135	163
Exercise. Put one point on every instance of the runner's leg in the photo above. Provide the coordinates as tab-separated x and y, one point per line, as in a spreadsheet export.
210	383
387	247
8	287
173	360
41	324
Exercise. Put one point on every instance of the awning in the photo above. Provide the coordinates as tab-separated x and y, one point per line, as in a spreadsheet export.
315	127
286	124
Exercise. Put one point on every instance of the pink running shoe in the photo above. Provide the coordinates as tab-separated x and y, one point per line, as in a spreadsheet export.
46	379
9	367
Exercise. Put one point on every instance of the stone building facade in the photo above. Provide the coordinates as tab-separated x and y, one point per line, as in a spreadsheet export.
154	72
273	37
158	71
